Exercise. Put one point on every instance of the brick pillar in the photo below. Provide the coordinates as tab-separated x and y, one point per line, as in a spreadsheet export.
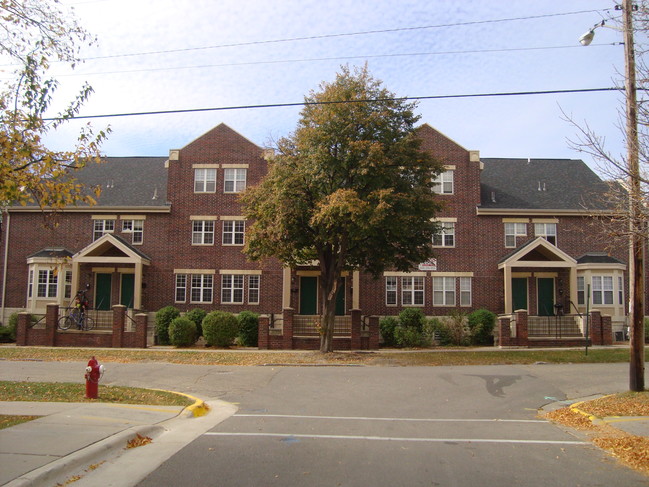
141	324
607	330
119	318
22	329
373	323
521	328
263	336
287	338
51	323
504	332
356	329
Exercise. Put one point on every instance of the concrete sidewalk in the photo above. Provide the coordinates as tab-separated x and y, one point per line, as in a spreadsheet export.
68	439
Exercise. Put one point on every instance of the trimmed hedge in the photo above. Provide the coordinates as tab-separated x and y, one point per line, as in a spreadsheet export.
248	328
197	315
163	318
182	332
220	329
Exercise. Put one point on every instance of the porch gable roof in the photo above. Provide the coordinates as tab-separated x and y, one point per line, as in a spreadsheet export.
111	249
537	253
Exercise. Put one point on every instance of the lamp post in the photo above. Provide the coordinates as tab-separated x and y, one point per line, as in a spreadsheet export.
636	226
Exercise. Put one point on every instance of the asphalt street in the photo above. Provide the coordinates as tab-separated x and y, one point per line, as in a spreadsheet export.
366	425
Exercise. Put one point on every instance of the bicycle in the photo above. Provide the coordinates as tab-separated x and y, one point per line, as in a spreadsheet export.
77	315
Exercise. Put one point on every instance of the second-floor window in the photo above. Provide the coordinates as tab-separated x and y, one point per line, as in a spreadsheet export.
443	183
202	232
233	232
446	235
234	180
204	180
546	230
135	228
100	227
513	231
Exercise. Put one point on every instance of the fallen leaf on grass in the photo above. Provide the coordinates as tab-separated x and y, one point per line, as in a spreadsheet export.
139	440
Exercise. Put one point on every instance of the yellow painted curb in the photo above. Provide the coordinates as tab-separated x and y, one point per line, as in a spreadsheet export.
199	408
591	417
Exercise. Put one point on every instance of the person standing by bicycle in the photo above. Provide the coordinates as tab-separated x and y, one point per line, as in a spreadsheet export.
81	304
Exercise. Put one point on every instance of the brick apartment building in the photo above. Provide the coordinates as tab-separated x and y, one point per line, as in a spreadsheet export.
517	234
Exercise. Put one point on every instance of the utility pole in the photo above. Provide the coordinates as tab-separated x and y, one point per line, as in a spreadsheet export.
636	226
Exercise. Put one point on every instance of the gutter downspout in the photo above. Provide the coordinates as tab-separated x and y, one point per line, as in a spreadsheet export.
5	232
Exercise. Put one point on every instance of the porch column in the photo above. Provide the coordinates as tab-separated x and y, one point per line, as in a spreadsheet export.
356	290
508	289
286	288
137	292
573	288
75	276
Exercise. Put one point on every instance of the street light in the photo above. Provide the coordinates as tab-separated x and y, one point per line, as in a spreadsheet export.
636	240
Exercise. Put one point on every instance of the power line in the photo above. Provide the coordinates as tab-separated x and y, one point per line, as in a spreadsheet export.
333	58
347	34
405	98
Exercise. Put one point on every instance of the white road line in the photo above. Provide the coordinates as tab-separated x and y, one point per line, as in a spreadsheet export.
289	436
364	418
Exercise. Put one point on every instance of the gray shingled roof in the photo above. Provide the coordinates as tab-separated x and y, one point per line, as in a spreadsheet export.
55	252
553	184
128	181
598	258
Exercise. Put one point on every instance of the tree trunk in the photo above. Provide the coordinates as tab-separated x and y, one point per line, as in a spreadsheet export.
329	280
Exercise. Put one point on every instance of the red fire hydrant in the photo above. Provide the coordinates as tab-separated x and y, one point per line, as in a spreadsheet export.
94	371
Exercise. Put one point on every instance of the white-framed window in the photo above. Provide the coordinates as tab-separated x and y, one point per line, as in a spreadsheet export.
443	182
581	291
546	230
234	180
205	180
446	235
47	283
443	291
232	288
201	288
620	290
465	291
412	291
135	228
233	232
513	231
391	290
203	232
181	288
100	227
30	284
67	285
253	289
602	290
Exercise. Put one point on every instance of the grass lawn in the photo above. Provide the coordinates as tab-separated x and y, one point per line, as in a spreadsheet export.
440	356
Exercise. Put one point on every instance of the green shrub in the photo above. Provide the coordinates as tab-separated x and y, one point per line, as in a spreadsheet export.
409	337
457	328
220	329
197	315
481	323
435	331
387	325
163	318
412	318
182	332
248	328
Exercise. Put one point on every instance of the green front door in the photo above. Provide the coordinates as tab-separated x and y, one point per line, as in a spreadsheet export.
126	291
103	291
308	295
340	299
545	291
519	293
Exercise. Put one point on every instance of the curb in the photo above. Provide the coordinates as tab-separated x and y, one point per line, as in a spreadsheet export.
67	465
196	410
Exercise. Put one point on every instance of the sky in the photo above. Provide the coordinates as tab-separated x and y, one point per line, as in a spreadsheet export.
154	55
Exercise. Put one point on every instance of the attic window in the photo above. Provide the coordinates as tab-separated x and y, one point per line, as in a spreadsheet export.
204	180
443	183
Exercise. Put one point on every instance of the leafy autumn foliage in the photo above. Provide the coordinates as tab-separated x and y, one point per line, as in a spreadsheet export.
350	189
34	33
